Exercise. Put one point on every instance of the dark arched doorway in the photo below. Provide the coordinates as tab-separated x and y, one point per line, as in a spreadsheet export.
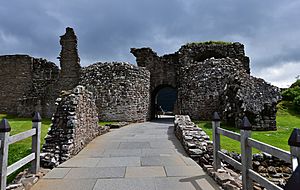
164	96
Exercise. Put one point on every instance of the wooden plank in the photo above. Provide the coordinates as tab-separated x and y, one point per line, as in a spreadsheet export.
229	134
36	143
237	165
3	159
279	153
21	136
216	144
20	163
246	159
263	181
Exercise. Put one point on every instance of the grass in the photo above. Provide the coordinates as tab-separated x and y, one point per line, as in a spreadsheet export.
103	123
287	120
22	148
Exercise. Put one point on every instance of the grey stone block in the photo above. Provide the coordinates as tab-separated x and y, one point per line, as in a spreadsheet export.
155	171
57	173
96	173
173	171
63	184
134	145
119	161
80	162
126	183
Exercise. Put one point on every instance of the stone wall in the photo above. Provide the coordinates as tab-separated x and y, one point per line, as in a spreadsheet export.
247	95
24	81
201	73
121	90
69	60
74	125
198	146
201	85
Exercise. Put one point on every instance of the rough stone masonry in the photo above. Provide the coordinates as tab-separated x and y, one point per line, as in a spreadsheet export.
208	77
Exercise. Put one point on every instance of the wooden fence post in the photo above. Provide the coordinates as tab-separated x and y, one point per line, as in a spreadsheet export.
216	140
294	142
246	154
36	142
4	135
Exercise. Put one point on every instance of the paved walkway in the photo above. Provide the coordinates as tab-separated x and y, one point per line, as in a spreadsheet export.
145	156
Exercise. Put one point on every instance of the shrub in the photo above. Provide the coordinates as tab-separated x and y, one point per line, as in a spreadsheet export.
296	84
291	93
296	103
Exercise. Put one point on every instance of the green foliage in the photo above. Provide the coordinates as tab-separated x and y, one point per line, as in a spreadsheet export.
296	103
291	93
287	120
209	43
296	84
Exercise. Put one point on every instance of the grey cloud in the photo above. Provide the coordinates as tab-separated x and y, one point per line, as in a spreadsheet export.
108	29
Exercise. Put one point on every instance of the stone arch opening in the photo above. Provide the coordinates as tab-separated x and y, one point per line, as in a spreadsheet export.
208	54
164	96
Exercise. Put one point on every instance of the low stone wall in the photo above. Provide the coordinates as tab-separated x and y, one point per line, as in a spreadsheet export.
198	146
74	125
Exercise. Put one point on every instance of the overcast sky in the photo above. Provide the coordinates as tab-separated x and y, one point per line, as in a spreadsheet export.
107	29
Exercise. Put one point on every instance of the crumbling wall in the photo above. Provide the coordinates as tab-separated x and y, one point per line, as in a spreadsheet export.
121	90
201	71
69	61
24	82
74	125
250	96
36	97
15	80
198	52
202	83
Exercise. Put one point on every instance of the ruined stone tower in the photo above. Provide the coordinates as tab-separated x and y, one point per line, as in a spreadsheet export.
69	60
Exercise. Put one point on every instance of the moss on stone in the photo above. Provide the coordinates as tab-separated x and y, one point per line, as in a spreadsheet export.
210	43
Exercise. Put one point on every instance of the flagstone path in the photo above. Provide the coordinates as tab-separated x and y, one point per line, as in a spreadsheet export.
144	156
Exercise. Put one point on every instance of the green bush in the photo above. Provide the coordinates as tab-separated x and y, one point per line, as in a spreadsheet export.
296	84
291	93
296	103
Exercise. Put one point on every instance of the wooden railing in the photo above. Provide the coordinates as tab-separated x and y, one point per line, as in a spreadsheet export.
245	166
6	140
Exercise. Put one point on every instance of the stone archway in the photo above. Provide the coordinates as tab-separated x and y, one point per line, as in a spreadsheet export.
164	96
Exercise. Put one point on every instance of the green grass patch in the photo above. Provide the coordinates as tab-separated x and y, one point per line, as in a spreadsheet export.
22	148
287	120
103	123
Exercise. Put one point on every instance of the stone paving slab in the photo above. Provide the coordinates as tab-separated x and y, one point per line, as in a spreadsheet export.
162	161
154	171
173	171
80	162
119	161
134	145
180	183
123	153
158	152
64	184
96	173
144	156
57	173
125	184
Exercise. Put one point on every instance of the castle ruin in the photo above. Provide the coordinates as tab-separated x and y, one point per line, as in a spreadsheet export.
206	77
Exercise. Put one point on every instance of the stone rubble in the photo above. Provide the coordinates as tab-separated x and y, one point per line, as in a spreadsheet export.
25	179
199	147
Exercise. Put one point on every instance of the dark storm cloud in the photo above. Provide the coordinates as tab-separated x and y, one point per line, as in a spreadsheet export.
107	30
